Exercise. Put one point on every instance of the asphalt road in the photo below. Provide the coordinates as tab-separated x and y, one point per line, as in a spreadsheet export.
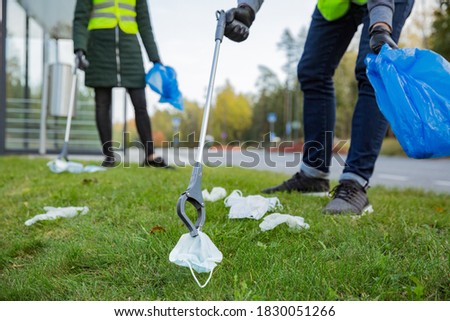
400	172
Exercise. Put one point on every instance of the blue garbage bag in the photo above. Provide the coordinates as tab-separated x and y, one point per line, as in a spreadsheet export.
163	81
412	88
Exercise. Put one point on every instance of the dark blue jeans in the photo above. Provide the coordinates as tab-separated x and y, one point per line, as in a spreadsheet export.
325	45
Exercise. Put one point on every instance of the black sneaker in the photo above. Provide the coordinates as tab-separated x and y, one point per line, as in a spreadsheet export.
303	184
348	198
109	161
157	162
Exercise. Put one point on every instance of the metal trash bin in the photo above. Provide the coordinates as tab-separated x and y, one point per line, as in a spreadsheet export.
60	79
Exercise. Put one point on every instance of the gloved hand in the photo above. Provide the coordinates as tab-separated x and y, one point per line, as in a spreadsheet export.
380	35
80	60
238	22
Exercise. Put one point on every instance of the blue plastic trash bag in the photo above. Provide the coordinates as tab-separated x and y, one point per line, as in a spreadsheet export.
412	87
163	81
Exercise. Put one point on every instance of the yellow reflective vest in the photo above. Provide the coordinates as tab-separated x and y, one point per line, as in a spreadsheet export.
335	9
108	14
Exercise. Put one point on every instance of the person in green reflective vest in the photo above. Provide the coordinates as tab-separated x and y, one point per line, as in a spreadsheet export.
105	35
333	25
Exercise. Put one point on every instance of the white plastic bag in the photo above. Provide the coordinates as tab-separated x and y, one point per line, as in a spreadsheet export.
252	206
216	194
197	253
273	220
55	212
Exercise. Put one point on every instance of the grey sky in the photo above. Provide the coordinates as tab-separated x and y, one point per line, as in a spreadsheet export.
184	31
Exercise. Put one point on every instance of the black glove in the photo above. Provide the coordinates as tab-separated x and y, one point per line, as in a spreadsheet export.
238	22
379	36
80	60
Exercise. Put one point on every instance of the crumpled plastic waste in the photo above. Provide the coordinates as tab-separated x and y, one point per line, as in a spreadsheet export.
252	206
60	165
197	253
56	212
216	194
273	220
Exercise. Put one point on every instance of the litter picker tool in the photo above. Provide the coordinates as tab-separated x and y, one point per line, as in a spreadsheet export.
62	163
193	194
65	149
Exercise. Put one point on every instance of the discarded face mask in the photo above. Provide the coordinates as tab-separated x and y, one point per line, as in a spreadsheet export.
56	212
216	194
273	220
252	206
197	253
60	165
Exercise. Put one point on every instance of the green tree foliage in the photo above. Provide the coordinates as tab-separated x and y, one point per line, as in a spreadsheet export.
286	99
191	120
440	37
232	115
346	94
162	123
271	97
292	47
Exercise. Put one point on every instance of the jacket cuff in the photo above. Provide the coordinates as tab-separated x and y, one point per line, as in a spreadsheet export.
381	14
254	4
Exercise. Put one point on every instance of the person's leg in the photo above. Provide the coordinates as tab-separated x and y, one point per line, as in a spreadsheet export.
368	124
368	130
144	128
142	119
103	97
325	45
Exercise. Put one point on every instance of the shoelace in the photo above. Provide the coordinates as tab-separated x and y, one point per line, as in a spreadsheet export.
344	191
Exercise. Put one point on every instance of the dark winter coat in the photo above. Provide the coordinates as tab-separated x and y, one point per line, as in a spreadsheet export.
114	64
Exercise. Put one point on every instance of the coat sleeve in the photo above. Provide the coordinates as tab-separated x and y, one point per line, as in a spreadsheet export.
145	30
254	4
81	18
381	11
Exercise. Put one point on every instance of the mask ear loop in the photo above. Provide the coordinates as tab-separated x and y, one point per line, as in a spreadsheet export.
274	203
195	278
236	191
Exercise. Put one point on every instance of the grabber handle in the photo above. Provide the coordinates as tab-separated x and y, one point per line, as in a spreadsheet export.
221	22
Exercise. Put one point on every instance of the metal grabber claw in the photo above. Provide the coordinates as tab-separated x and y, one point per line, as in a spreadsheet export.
193	194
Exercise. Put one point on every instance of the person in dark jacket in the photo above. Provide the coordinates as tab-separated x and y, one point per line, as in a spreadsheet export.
333	25
105	35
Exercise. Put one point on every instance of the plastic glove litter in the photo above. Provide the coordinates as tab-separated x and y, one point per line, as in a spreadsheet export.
197	253
56	212
273	220
163	81
252	206
59	166
216	194
412	87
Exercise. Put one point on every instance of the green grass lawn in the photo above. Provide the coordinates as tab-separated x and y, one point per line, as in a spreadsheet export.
120	249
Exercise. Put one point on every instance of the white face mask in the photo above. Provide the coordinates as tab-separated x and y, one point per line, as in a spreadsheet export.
252	206
197	253
60	165
216	194
273	220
